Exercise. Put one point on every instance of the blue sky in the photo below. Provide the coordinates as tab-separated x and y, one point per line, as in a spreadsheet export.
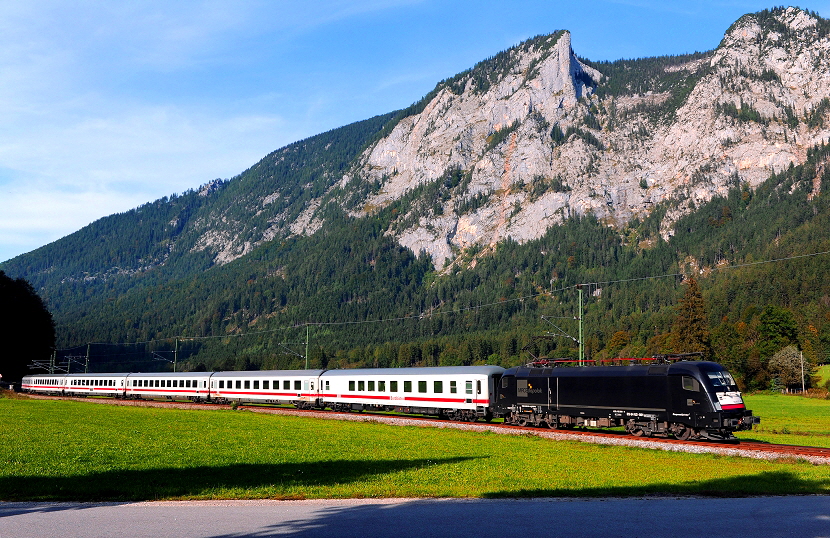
107	105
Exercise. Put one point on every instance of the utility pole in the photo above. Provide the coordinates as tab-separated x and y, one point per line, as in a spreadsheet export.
803	390
176	355
86	363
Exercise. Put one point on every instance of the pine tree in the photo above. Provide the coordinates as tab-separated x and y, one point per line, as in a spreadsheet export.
690	330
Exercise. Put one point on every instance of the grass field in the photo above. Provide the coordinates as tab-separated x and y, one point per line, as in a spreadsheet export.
789	419
823	374
58	450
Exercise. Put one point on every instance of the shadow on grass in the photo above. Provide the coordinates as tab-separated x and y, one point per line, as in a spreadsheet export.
765	483
152	484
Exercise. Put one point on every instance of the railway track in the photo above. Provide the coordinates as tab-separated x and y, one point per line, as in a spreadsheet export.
753	449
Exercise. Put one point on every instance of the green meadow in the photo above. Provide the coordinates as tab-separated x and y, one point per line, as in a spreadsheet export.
789	419
61	450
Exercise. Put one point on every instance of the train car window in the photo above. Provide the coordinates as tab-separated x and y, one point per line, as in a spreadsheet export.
422	386
469	387
221	383
286	385
690	383
478	387
381	386
504	382
453	388
157	382
407	386
256	384
238	384
265	384
311	385
297	384
370	386
438	387
247	384
361	385
393	386
351	386
327	385
187	383
175	383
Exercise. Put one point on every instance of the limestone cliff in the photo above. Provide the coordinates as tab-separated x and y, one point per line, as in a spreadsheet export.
538	135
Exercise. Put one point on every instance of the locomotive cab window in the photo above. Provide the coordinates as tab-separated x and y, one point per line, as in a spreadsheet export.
720	380
690	383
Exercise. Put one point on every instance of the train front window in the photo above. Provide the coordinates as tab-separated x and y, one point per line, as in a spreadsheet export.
720	380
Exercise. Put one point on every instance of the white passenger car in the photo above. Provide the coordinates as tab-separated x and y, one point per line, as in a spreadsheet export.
111	385
44	383
456	392
298	387
170	385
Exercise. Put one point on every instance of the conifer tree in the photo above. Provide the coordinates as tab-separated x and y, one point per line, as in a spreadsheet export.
690	330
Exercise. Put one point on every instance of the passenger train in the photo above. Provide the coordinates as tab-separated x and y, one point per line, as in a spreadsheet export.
687	399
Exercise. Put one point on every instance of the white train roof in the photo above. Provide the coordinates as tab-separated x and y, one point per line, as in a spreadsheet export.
270	373
430	370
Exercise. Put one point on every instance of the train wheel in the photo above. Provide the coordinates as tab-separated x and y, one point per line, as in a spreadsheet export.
638	432
683	434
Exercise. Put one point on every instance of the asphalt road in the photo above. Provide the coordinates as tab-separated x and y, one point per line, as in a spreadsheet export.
803	517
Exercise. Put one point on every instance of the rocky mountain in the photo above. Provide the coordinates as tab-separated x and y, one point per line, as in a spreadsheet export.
540	135
533	152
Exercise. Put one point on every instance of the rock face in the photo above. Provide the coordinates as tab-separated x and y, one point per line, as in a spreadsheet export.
536	135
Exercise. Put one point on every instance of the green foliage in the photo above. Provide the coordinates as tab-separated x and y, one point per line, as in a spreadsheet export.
691	326
500	136
744	112
656	75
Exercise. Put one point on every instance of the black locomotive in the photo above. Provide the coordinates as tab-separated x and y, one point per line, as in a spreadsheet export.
686	399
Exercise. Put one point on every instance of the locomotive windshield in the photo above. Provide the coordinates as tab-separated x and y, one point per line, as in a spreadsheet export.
721	380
